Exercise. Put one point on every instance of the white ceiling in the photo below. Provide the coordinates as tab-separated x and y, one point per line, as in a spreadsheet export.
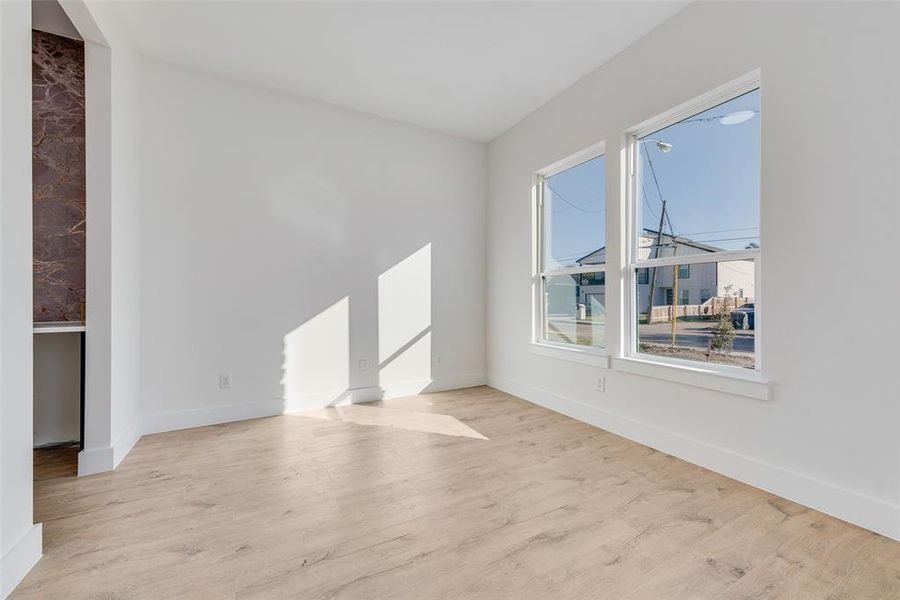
470	69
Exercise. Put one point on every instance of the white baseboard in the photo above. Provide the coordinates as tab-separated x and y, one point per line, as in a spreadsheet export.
126	441
212	415
457	382
95	460
314	400
385	391
860	509
99	460
20	559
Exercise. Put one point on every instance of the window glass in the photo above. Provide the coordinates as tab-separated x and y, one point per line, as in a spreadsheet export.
698	181
574	213
575	309
697	196
720	330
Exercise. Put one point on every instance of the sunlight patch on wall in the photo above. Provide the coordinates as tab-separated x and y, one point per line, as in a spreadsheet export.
317	357
404	325
410	370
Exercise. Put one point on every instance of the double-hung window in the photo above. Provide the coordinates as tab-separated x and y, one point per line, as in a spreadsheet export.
571	261
694	237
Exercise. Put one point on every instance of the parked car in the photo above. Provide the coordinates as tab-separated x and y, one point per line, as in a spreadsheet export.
742	317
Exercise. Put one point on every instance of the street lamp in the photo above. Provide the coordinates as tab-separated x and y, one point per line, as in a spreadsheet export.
662	146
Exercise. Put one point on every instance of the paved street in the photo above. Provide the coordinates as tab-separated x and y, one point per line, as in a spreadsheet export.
693	334
689	334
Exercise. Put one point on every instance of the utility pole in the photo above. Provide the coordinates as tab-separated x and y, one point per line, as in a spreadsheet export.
674	301
657	244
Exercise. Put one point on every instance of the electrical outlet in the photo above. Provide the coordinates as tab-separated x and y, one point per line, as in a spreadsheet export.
363	365
601	384
225	381
438	360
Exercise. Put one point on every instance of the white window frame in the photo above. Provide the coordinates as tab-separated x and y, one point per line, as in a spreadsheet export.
688	109
539	275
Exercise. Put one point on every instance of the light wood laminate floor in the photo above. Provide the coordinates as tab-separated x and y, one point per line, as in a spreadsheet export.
464	494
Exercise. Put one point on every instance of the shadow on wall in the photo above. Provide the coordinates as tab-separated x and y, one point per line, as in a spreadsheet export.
316	368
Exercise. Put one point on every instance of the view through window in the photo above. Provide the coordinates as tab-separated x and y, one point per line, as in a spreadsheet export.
573	230
696	244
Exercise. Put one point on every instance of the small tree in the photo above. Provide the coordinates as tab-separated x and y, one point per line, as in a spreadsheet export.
723	332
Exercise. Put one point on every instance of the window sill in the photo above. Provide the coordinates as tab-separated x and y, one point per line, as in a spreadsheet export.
576	355
750	384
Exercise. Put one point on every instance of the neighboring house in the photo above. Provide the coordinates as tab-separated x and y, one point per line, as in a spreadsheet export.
697	283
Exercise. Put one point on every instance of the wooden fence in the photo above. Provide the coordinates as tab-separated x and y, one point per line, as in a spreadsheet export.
707	310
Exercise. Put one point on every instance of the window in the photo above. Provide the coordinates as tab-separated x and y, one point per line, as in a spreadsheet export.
572	251
593	278
694	206
643	276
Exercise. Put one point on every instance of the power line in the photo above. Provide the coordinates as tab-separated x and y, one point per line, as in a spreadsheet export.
573	205
732	239
647	201
665	213
720	231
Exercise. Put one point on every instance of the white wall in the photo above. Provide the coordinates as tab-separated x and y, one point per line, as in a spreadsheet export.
112	361
271	226
829	436
20	540
57	388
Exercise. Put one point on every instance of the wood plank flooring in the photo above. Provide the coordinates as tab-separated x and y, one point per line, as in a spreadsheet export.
55	461
464	494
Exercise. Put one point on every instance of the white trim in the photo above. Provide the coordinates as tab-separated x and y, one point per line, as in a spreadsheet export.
210	415
694	259
539	274
735	381
228	413
95	460
573	160
107	458
600	268
723	93
315	400
571	353
737	87
20	559
58	327
866	511
457	382
126	441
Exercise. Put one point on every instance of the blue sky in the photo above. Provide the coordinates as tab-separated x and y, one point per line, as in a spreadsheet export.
710	180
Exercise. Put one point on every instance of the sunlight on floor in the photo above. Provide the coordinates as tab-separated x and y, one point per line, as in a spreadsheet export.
380	416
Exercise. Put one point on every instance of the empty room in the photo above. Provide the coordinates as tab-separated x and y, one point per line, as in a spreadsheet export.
449	300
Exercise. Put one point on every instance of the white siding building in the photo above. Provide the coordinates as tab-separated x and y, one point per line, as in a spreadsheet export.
697	282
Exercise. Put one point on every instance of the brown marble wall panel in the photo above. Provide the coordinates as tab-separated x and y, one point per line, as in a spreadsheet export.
58	177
